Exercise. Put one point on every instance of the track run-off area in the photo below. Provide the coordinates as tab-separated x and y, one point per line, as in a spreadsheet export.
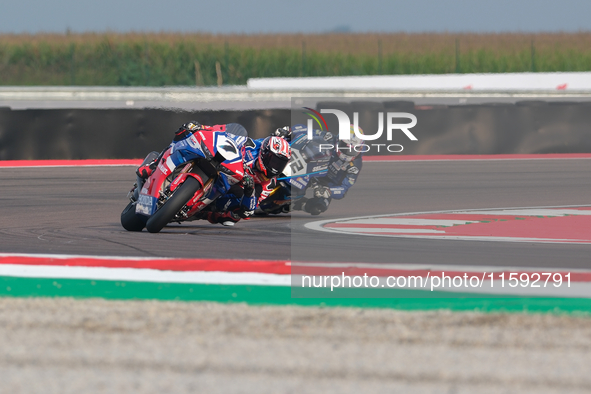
84	303
61	233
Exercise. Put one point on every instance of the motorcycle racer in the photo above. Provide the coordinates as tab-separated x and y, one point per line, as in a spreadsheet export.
343	169
242	194
264	161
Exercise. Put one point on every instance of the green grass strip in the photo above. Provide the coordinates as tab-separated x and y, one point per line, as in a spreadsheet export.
278	295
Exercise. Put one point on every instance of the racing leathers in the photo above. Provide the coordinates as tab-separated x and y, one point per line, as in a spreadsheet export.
335	181
240	204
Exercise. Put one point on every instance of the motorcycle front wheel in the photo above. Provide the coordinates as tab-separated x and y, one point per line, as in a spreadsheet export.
132	221
181	196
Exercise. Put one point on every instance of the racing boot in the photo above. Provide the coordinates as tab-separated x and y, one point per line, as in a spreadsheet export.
227	219
199	216
299	204
317	205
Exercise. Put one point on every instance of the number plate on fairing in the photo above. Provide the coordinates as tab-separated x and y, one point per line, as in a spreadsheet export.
145	205
297	164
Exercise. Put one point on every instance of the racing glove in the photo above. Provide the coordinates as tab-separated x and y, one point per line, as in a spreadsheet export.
248	185
146	170
283	132
248	204
186	130
322	192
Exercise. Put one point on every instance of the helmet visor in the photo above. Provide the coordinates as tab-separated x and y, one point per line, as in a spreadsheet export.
347	149
274	164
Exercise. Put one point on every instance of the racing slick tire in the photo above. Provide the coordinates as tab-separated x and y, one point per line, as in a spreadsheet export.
132	221
181	196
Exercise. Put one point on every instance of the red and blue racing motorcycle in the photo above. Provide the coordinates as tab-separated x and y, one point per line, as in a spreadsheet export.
189	176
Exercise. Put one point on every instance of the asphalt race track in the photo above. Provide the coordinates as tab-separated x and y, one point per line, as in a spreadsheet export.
61	345
75	210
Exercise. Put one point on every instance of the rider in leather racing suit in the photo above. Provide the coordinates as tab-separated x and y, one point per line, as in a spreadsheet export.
343	169
264	160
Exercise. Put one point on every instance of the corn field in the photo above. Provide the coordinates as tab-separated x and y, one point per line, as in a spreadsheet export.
165	59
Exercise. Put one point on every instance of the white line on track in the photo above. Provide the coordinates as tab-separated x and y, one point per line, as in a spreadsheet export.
143	275
318	225
391	266
410	221
357	230
81	256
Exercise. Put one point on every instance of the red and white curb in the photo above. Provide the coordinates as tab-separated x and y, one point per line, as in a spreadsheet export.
70	163
567	224
284	273
137	269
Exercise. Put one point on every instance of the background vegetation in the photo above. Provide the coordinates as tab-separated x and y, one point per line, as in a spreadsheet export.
199	59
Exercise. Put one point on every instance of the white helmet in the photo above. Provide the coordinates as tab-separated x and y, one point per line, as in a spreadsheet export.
347	150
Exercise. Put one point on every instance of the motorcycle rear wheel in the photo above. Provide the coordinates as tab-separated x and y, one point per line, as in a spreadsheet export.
132	221
181	196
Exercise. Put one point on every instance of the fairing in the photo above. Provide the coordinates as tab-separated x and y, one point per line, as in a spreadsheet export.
203	145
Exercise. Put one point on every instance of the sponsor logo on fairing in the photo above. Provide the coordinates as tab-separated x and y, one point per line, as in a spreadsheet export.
193	143
297	184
